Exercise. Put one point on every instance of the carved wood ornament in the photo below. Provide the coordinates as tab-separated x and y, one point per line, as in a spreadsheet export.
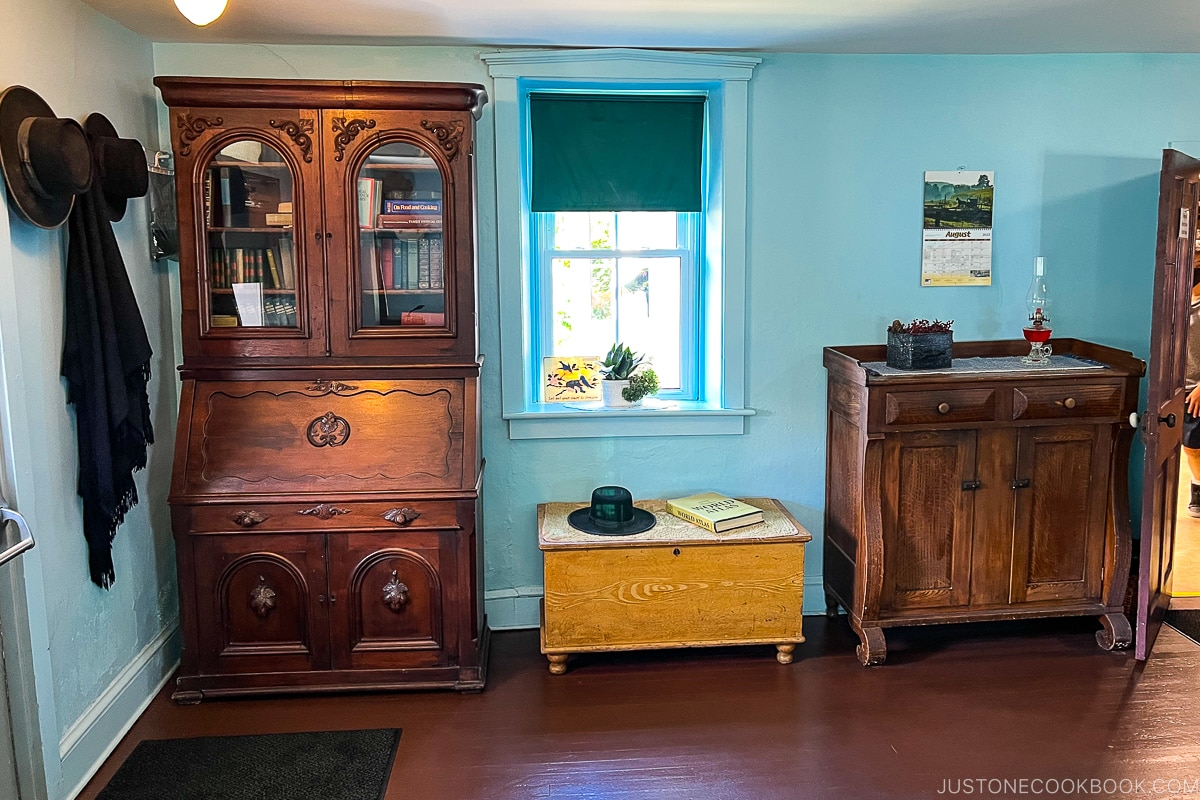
262	598
299	133
448	134
192	127
248	519
328	429
324	511
347	131
395	593
322	386
403	517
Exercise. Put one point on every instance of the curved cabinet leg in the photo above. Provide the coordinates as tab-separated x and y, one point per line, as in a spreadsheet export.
1116	633
783	653
873	650
558	663
831	606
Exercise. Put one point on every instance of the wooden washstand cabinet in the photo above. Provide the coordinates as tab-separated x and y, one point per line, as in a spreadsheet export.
325	495
971	496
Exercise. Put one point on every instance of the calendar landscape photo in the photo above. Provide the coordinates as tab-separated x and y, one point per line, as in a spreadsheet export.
958	199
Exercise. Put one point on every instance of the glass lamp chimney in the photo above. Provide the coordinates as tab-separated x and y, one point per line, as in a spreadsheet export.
1037	300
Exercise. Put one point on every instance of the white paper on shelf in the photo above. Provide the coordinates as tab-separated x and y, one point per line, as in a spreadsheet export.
249	299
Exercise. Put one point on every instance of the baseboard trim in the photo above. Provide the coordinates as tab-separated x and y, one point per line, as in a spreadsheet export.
92	737
518	608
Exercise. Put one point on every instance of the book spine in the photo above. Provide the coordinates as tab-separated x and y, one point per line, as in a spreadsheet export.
410	245
688	516
436	280
422	263
423	207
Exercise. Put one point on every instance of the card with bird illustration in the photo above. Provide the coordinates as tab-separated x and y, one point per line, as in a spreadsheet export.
570	378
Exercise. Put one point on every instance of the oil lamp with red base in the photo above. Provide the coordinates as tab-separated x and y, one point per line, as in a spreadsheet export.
1037	303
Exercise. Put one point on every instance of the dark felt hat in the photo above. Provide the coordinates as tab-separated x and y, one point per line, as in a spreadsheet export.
45	159
611	513
120	166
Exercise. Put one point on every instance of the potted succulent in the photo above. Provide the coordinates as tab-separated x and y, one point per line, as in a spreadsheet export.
623	383
921	344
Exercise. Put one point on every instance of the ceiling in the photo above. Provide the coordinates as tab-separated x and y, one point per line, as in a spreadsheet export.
825	26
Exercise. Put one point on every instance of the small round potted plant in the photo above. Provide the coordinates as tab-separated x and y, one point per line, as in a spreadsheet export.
624	384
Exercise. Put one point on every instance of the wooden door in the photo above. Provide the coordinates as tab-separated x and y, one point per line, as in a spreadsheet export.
261	603
1061	492
1179	191
252	276
398	198
388	590
928	506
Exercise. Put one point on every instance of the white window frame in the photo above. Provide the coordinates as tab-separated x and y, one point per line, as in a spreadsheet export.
721	408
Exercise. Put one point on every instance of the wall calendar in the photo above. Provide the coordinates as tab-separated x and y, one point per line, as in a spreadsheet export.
956	247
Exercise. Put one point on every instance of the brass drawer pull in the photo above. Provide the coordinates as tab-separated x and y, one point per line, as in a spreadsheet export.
248	519
328	430
402	517
943	408
1069	402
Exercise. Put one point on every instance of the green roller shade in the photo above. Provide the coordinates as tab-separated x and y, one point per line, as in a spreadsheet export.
616	152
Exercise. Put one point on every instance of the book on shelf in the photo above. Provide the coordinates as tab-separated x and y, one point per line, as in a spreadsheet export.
428	319
436	279
714	511
287	266
423	248
368	200
273	267
409	222
278	220
285	207
420	207
223	321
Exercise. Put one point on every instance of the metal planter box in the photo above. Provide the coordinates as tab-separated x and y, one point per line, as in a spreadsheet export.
919	350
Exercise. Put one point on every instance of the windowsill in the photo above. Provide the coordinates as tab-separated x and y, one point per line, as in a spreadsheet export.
555	421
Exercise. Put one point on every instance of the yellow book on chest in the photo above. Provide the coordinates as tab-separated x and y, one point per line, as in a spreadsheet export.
716	512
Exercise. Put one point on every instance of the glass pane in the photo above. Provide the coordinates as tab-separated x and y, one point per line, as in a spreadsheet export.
251	251
647	230
584	230
648	313
402	272
583	312
596	302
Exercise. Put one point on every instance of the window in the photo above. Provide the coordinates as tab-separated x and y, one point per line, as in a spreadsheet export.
644	265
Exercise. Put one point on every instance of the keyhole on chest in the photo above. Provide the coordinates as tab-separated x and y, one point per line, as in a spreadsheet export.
676	551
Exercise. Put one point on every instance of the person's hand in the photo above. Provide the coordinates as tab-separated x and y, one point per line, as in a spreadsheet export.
1193	402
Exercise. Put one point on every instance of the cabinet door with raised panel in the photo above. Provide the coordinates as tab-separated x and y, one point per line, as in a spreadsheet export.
928	504
388	609
1061	488
260	603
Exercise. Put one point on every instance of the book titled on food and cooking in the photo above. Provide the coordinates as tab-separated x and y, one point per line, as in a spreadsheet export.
716	512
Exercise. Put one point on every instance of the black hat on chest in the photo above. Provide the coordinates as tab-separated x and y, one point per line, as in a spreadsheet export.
120	166
45	159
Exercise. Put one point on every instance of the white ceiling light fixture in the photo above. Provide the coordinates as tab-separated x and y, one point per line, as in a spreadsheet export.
201	12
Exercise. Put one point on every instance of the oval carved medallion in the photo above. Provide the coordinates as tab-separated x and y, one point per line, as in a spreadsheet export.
328	430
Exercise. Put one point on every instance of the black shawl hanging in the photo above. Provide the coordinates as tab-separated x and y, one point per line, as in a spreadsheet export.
106	361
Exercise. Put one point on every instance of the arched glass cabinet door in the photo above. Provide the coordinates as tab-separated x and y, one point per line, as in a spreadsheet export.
402	269
251	278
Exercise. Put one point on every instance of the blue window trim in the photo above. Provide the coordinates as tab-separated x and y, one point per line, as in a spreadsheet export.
722	379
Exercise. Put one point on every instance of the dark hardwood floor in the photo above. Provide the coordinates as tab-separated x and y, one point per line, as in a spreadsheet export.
1031	700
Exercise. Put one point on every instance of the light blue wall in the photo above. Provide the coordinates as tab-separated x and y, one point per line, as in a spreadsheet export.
838	147
89	644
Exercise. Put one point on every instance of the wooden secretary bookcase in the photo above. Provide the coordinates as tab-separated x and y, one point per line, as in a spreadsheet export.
325	496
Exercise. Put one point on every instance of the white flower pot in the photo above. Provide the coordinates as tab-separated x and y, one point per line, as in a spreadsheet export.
610	393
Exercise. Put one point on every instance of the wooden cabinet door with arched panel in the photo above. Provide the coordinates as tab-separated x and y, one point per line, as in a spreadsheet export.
262	605
252	240
398	185
388	613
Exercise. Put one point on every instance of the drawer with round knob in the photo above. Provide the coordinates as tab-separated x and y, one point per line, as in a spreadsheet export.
1067	401
949	405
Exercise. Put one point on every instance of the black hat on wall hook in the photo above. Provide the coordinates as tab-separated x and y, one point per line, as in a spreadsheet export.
119	164
45	159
